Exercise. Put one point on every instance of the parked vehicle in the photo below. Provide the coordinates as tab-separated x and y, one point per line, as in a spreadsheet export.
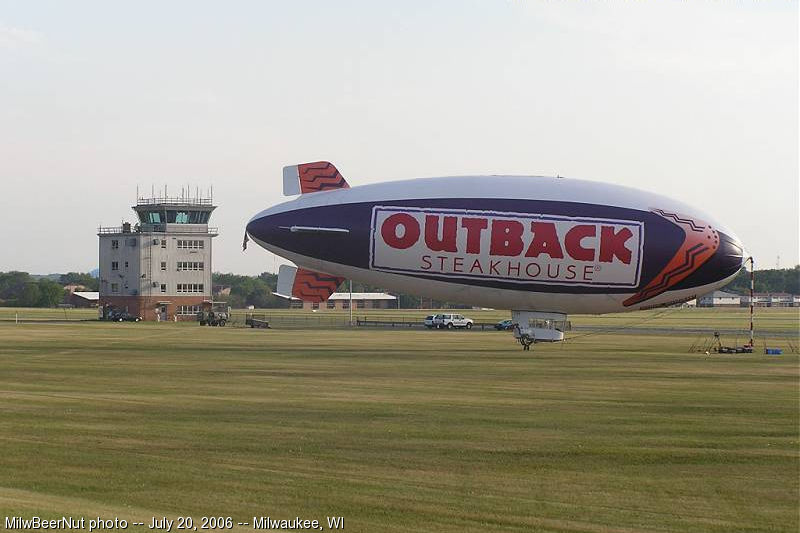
212	318
504	325
451	321
123	316
429	322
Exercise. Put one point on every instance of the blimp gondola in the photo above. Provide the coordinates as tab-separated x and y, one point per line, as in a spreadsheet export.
544	247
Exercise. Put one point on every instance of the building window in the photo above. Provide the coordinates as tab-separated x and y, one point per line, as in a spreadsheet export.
296	304
189	287
115	288
190	245
163	265
346	304
163	243
114	244
114	265
126	265
163	287
331	304
188	309
359	304
315	305
190	265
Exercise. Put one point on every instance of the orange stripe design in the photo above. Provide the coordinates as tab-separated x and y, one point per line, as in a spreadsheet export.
320	176
312	286
700	241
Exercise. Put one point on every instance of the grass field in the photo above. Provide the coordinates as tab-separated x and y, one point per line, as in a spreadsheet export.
396	430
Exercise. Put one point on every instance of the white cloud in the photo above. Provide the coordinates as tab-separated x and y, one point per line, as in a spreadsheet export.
14	38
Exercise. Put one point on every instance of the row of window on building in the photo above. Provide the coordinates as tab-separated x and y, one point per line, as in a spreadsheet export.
183	244
190	245
181	287
197	266
176	217
188	309
189	287
190	265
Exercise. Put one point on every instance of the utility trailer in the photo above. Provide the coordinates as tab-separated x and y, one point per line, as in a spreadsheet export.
256	322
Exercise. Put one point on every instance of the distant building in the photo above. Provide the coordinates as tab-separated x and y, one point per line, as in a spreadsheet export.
760	299
83	298
774	299
160	268
781	299
719	299
222	290
341	300
72	287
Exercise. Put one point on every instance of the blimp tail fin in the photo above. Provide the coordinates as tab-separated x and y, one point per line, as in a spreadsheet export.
306	285
312	177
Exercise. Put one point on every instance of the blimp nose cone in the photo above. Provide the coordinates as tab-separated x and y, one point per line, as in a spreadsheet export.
255	228
727	260
319	232
730	256
268	229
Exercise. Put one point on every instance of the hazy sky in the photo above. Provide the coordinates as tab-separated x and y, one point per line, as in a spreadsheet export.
696	100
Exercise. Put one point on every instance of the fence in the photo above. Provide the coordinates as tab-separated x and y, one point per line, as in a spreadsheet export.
330	321
33	314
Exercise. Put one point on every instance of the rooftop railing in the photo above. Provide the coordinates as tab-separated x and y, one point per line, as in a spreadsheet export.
174	200
158	228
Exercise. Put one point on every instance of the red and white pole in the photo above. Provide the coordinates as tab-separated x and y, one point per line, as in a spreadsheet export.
752	294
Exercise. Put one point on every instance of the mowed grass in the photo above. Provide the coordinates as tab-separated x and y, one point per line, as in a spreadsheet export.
395	430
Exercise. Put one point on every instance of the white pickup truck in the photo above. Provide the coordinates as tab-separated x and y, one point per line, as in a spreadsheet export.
451	321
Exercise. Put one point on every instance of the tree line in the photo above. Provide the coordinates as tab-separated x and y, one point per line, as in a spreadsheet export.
20	289
772	281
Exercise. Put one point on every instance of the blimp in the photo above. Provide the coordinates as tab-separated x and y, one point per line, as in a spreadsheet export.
543	247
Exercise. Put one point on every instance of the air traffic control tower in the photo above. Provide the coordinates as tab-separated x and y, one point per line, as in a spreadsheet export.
160	267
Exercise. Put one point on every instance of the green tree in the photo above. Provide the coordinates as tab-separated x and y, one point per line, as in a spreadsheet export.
771	280
12	285
80	278
30	296
251	290
50	293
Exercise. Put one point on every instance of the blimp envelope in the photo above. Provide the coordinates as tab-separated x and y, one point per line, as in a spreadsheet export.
514	242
